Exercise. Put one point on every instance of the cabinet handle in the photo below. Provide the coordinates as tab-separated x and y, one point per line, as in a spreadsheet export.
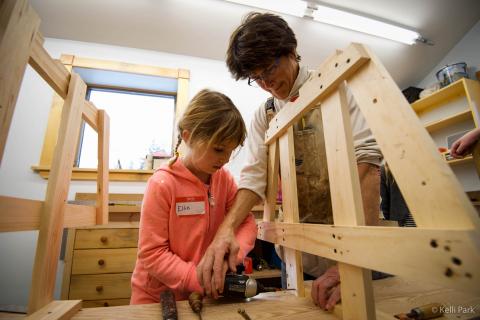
105	304
101	262
99	288
103	239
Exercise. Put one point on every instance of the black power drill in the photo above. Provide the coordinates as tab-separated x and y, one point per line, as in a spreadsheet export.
242	286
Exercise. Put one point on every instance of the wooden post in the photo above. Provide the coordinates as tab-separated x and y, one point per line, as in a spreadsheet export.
293	258
18	25
103	167
51	134
272	182
356	285
52	218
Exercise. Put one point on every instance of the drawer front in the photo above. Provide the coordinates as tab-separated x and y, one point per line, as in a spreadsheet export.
106	238
100	286
105	303
93	261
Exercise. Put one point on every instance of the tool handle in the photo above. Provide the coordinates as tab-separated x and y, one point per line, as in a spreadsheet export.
169	308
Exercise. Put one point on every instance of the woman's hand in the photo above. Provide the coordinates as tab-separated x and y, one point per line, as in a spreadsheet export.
326	289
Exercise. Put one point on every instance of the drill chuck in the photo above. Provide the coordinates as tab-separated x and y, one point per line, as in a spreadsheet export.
240	286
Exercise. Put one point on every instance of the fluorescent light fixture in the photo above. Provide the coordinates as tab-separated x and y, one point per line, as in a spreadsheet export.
362	24
291	7
339	18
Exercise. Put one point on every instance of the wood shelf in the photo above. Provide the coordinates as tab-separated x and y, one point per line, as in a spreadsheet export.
448	121
443	103
91	174
267	273
458	161
453	90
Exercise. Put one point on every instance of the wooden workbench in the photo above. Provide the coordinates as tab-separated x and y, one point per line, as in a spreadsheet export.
392	296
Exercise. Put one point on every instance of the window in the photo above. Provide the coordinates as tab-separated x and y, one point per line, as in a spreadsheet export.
155	96
140	124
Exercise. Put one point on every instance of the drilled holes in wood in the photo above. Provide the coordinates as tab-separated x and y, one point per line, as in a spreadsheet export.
456	261
449	272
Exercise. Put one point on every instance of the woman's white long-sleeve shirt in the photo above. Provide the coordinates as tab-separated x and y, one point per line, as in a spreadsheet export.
254	174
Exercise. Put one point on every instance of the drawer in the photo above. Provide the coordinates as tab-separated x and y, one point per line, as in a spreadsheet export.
100	286
106	238
105	303
93	261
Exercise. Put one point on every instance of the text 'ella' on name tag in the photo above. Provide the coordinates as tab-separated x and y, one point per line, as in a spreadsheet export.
190	205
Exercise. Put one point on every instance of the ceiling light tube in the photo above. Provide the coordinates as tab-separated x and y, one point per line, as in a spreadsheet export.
291	7
339	18
366	25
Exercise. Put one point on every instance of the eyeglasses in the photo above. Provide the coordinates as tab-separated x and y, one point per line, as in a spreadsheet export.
267	73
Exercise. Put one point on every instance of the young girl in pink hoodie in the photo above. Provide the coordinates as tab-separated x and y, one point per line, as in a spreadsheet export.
186	201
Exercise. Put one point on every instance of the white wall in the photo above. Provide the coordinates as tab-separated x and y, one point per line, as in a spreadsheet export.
28	128
466	50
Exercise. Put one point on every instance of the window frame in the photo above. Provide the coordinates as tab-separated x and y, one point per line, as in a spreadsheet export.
70	62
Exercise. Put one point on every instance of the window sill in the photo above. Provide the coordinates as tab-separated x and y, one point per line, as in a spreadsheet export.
91	174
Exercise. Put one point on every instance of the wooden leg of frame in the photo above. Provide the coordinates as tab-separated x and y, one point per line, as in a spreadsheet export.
57	310
18	25
293	258
102	180
357	292
52	218
272	182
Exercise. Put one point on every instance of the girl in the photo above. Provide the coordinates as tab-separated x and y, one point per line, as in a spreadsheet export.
186	201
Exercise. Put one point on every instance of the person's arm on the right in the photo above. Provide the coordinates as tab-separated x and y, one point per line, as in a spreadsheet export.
464	145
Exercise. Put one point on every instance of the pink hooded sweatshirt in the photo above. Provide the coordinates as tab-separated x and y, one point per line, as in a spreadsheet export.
177	224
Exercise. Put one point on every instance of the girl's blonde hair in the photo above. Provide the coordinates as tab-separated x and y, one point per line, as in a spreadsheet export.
212	118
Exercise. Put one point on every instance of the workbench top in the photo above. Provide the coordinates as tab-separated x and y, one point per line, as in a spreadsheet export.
392	296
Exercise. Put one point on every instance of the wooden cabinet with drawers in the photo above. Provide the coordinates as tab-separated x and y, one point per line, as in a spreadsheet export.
99	262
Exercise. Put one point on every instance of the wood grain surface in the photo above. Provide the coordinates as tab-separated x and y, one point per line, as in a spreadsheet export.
392	296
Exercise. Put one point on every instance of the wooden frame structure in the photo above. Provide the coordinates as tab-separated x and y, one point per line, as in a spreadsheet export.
444	249
21	43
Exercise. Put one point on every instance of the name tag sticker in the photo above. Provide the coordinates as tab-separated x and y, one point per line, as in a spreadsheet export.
186	206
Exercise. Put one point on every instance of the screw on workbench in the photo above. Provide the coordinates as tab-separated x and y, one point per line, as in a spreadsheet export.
244	314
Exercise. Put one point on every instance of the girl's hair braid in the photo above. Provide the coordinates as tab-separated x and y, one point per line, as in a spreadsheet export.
175	153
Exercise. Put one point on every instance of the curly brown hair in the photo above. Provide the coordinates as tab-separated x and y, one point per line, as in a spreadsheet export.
259	40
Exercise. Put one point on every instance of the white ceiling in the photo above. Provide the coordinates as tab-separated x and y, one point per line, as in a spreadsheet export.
202	28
